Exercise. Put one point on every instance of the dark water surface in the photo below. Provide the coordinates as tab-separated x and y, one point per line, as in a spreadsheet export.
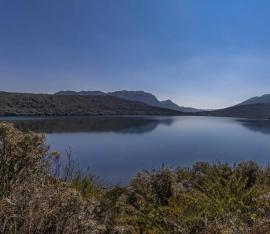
116	148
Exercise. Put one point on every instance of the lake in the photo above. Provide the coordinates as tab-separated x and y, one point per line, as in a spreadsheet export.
116	148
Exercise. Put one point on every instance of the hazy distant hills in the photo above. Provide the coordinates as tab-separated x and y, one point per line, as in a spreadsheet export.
139	96
25	104
171	105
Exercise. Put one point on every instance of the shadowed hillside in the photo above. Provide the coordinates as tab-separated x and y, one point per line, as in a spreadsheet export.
255	111
24	104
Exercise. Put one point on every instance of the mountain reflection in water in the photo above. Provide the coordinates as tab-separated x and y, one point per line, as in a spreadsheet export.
136	125
262	126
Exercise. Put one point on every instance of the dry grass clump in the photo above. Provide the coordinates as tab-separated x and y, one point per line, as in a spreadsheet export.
31	200
37	195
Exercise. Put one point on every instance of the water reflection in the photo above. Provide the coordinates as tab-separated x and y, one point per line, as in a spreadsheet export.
262	126
135	125
128	124
116	148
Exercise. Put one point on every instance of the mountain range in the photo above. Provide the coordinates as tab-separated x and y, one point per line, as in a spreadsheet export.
255	107
70	103
28	104
139	96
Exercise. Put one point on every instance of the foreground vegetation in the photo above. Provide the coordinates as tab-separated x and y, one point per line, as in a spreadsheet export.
37	195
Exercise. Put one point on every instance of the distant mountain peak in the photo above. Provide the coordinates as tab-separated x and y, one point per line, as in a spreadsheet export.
140	96
168	101
169	104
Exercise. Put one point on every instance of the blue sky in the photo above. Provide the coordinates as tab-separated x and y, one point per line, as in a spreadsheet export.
207	54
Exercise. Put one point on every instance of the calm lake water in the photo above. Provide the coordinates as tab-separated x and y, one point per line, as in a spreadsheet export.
116	148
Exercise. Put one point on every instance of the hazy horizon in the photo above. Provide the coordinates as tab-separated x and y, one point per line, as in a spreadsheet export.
208	54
